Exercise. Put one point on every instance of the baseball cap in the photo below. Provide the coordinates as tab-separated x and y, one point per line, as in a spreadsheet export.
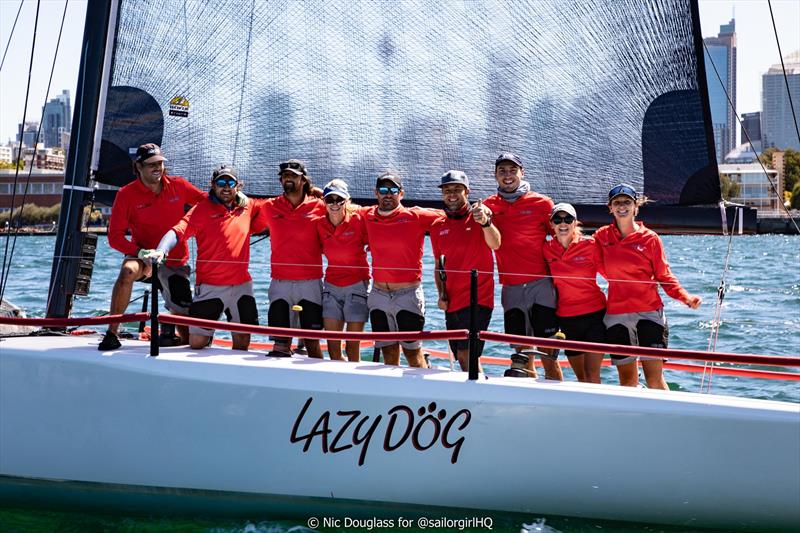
389	176
225	170
623	189
454	176
508	156
565	207
337	187
293	165
149	153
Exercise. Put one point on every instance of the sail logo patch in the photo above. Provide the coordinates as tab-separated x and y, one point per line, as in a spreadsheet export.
179	107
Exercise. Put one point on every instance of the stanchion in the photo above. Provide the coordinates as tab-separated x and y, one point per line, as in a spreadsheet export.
154	314
474	356
145	301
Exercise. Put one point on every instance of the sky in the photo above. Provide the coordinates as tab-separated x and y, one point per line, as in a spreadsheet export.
757	50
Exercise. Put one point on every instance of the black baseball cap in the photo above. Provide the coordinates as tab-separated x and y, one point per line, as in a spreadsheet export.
293	165
508	156
225	170
454	176
149	153
623	189
389	176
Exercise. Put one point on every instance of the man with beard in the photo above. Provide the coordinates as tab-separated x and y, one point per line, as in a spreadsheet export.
395	235
147	207
221	225
295	291
529	296
463	240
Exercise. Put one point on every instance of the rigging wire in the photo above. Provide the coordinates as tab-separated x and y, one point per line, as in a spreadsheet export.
8	44
783	68
19	150
7	269
739	120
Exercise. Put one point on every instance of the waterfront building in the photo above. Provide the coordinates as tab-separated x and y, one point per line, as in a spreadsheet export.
44	188
5	154
777	125
757	188
721	52
57	115
751	126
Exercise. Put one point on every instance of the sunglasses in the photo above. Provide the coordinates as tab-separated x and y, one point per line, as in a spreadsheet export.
225	182
388	190
291	165
334	200
567	219
622	189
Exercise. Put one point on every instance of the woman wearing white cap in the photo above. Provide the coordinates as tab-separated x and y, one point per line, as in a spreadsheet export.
634	262
344	293
573	263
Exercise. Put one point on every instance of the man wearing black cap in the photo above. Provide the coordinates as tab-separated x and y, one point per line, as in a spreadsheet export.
528	296
221	225
463	240
395	235
295	291
147	207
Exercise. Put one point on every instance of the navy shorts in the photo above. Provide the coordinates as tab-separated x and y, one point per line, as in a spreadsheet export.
583	328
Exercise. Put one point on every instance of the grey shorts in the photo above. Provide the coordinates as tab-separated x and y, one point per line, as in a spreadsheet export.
236	301
348	304
530	309
292	292
411	299
174	285
656	339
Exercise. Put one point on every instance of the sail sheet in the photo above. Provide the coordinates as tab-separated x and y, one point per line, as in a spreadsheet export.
588	92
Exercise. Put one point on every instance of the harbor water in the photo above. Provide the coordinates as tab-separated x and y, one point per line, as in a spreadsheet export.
760	315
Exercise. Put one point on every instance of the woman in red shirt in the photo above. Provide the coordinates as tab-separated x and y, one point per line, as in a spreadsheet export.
634	262
344	293
573	263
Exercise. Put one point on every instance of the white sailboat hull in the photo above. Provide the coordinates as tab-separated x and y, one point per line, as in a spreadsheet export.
237	422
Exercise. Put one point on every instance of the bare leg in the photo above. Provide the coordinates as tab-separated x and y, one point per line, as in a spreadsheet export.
314	349
552	370
354	347
334	347
182	332
463	360
654	374
198	342
628	374
592	363
577	363
241	341
132	269
391	354
414	357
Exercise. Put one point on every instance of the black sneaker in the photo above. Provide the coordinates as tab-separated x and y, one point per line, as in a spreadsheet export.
109	342
170	340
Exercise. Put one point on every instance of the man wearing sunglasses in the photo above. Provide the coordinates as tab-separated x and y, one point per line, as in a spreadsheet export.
463	240
221	225
528	295
296	257
146	208
395	235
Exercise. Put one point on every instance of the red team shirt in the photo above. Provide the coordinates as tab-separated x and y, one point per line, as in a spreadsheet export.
638	257
148	216
343	245
223	241
296	249
524	224
464	248
574	272
395	242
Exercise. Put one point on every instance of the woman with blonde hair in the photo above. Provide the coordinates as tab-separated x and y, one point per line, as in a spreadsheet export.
344	292
573	263
634	262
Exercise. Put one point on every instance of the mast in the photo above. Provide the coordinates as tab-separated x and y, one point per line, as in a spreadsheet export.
69	241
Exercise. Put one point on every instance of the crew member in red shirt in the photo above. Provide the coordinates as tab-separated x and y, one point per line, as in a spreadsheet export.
395	235
633	260
344	293
147	207
221	225
528	295
295	290
573	263
463	240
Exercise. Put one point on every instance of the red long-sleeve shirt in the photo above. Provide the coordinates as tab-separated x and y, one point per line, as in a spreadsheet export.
524	225
343	246
574	272
634	266
148	216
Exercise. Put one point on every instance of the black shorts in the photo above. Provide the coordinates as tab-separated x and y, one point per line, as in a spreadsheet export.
583	328
460	320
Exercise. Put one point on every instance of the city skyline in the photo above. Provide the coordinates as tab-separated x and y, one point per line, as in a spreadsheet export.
757	51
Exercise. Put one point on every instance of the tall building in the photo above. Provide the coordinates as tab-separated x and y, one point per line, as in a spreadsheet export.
57	115
751	126
28	134
721	51
777	126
